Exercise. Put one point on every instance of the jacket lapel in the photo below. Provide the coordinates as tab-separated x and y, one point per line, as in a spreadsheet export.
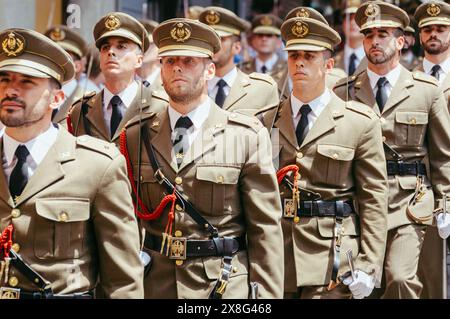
162	141
95	115
364	93
446	84
237	91
4	188
284	123
400	90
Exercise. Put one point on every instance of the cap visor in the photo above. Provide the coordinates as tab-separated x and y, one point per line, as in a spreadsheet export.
223	34
266	30
25	70
431	22
181	52
304	47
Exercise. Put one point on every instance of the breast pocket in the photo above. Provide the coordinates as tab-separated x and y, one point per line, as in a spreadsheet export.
410	128
333	164
215	189
60	227
150	191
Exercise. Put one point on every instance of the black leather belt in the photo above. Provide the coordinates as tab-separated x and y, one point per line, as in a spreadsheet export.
400	168
197	248
321	208
42	295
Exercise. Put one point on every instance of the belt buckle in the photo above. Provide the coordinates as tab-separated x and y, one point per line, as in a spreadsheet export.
9	293
289	210
178	248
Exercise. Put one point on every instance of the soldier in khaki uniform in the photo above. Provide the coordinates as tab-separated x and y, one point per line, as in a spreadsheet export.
75	45
336	198
231	88
415	126
228	242
434	23
66	214
121	40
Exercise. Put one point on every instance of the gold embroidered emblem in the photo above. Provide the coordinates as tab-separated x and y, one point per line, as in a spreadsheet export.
178	248
433	10
181	32
289	208
13	45
9	293
212	17
302	13
57	35
300	29
112	23
372	10
266	21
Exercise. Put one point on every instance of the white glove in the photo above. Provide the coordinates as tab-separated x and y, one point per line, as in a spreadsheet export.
443	225
362	286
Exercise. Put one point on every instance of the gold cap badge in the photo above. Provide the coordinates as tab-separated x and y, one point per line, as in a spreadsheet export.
300	29
212	17
433	10
181	32
302	13
57	35
112	23
372	10
13	44
266	21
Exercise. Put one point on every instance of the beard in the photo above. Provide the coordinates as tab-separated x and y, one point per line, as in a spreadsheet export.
388	55
18	118
435	48
185	93
222	60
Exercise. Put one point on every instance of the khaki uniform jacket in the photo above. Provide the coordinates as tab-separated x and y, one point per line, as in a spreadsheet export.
250	67
341	158
411	65
74	221
445	86
61	115
233	185
151	100
415	123
251	93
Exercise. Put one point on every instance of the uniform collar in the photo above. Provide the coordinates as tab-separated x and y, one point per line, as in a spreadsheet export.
229	78
198	115
127	95
38	147
269	63
317	105
392	76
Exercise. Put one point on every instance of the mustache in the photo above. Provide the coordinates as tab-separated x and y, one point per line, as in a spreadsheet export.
16	100
434	38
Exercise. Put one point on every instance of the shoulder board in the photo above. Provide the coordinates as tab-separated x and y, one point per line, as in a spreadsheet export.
86	96
97	145
346	80
246	120
360	108
262	77
421	76
160	94
140	118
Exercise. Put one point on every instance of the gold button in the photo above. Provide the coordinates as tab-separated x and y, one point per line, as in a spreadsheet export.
13	281
15	213
220	179
63	217
235	270
296	219
335	156
178	180
300	155
384	138
178	207
15	247
413	121
178	233
178	262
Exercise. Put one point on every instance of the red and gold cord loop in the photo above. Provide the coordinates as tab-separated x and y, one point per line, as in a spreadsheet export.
6	240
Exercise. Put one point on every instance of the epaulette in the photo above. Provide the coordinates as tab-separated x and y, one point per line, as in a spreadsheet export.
262	77
86	96
98	145
360	108
423	77
140	118
345	81
246	120
161	95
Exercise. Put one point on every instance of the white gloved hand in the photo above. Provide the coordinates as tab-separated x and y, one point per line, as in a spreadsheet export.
443	225
362	286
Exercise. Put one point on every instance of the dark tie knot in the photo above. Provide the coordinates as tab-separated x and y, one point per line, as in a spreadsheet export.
435	70
353	56
116	101
22	153
382	82
221	84
183	122
263	69
305	109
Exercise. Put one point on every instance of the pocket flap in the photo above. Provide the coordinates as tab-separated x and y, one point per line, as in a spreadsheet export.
407	182
63	209
219	175
213	265
411	118
336	152
326	226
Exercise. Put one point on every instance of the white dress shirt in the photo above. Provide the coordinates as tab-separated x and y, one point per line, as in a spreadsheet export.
37	147
198	116
127	96
317	106
269	63
359	52
229	79
392	78
443	72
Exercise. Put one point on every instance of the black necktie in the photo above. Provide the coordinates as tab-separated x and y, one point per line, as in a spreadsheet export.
302	126
116	115
220	96
435	71
352	64
263	69
381	97
19	175
181	142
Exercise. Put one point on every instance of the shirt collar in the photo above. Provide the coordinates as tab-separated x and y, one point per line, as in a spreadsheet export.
38	147
269	63
359	52
392	76
317	105
229	78
427	66
127	95
198	115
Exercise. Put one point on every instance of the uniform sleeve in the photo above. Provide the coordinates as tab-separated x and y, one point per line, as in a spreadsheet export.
274	96
261	204
372	199
117	235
